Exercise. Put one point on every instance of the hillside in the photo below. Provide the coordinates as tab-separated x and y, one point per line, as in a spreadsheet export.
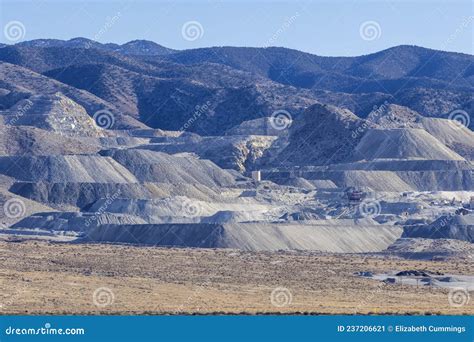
139	78
390	68
258	149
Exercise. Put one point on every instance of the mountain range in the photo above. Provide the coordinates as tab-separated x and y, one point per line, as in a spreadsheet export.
144	83
248	148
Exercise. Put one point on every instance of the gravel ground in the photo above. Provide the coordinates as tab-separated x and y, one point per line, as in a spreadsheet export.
40	277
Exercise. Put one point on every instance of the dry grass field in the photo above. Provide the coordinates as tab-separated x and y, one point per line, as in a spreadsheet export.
39	277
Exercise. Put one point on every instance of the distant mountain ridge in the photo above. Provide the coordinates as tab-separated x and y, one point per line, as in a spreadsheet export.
162	87
293	67
134	47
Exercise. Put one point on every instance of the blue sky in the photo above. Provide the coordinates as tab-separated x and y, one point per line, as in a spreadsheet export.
331	28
